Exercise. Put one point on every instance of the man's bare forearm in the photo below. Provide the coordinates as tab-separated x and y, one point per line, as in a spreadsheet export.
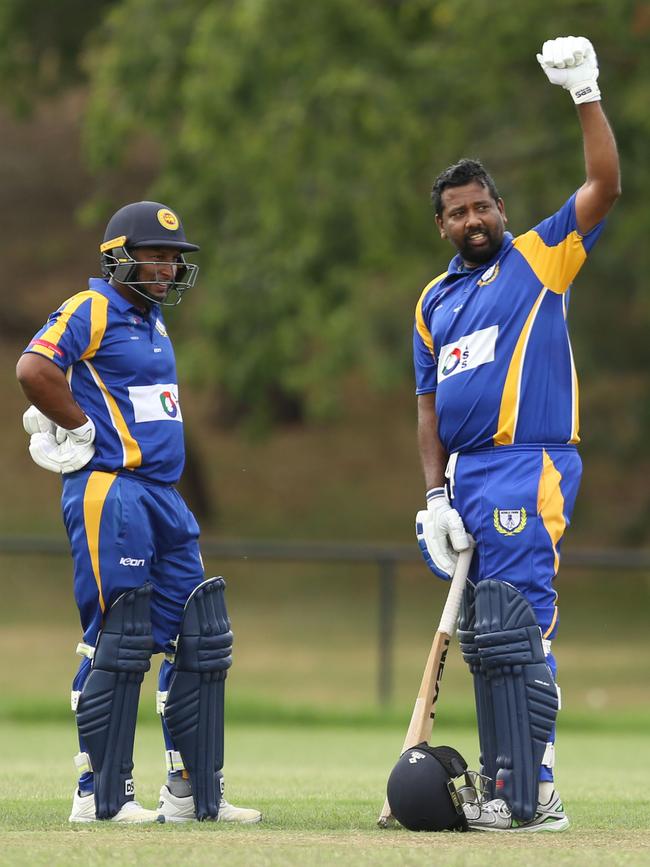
45	385
432	453
602	185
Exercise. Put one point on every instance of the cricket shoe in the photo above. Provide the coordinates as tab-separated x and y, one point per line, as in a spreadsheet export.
496	815
83	810
174	809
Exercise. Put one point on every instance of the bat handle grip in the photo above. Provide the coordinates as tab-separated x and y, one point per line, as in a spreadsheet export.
454	597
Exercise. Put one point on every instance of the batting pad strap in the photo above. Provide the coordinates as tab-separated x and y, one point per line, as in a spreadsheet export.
83	764
511	647
548	759
161	698
174	761
86	650
74	698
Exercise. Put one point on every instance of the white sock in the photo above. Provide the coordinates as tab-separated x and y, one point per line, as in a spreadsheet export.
179	787
546	789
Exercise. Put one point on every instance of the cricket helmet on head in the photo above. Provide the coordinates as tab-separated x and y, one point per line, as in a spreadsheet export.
422	790
146	224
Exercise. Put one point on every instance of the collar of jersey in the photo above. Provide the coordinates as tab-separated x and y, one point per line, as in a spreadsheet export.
96	284
456	265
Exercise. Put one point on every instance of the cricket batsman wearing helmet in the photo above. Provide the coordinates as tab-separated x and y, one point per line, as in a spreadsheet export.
498	430
105	414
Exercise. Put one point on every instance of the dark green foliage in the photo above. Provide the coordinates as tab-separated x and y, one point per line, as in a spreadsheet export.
299	141
40	46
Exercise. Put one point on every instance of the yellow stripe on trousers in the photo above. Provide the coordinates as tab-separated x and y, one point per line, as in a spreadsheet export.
97	488
550	508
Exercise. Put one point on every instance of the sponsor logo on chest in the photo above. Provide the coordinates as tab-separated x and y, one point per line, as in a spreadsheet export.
468	352
155	402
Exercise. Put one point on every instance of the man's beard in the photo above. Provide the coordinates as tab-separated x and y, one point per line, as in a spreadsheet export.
477	256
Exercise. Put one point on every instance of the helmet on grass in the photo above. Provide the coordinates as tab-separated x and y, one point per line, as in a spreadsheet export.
428	787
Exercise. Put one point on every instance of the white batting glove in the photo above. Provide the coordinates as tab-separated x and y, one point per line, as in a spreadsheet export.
64	451
441	534
35	422
571	62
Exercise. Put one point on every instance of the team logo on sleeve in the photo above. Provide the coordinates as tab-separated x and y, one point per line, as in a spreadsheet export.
509	522
468	352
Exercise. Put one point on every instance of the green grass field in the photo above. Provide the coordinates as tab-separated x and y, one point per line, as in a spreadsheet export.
320	789
306	740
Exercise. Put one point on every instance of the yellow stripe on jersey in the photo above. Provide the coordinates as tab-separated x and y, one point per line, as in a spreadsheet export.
423	331
131	454
554	266
97	488
53	335
98	317
509	409
550	504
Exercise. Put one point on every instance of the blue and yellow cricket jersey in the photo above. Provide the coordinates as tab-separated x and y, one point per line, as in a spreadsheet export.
122	372
493	344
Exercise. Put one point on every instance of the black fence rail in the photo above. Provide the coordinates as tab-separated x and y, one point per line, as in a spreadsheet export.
386	559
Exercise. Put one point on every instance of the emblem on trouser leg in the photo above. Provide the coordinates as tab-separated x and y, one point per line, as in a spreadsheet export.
107	707
509	522
195	699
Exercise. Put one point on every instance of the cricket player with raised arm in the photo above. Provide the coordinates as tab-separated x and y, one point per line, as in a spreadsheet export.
105	414
498	433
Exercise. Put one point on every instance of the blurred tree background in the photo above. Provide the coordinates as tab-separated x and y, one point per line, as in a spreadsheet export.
299	142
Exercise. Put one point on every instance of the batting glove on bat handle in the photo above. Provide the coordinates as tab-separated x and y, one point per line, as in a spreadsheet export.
571	62
441	534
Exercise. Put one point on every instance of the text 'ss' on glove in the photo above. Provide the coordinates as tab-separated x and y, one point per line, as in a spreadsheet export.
64	451
441	534
571	62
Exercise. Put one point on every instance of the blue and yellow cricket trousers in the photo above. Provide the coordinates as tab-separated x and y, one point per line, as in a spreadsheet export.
124	532
517	503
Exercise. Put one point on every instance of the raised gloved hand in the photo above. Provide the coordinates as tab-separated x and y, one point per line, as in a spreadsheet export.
441	534
571	62
63	451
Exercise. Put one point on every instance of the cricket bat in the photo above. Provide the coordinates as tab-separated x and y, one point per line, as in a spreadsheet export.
424	711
